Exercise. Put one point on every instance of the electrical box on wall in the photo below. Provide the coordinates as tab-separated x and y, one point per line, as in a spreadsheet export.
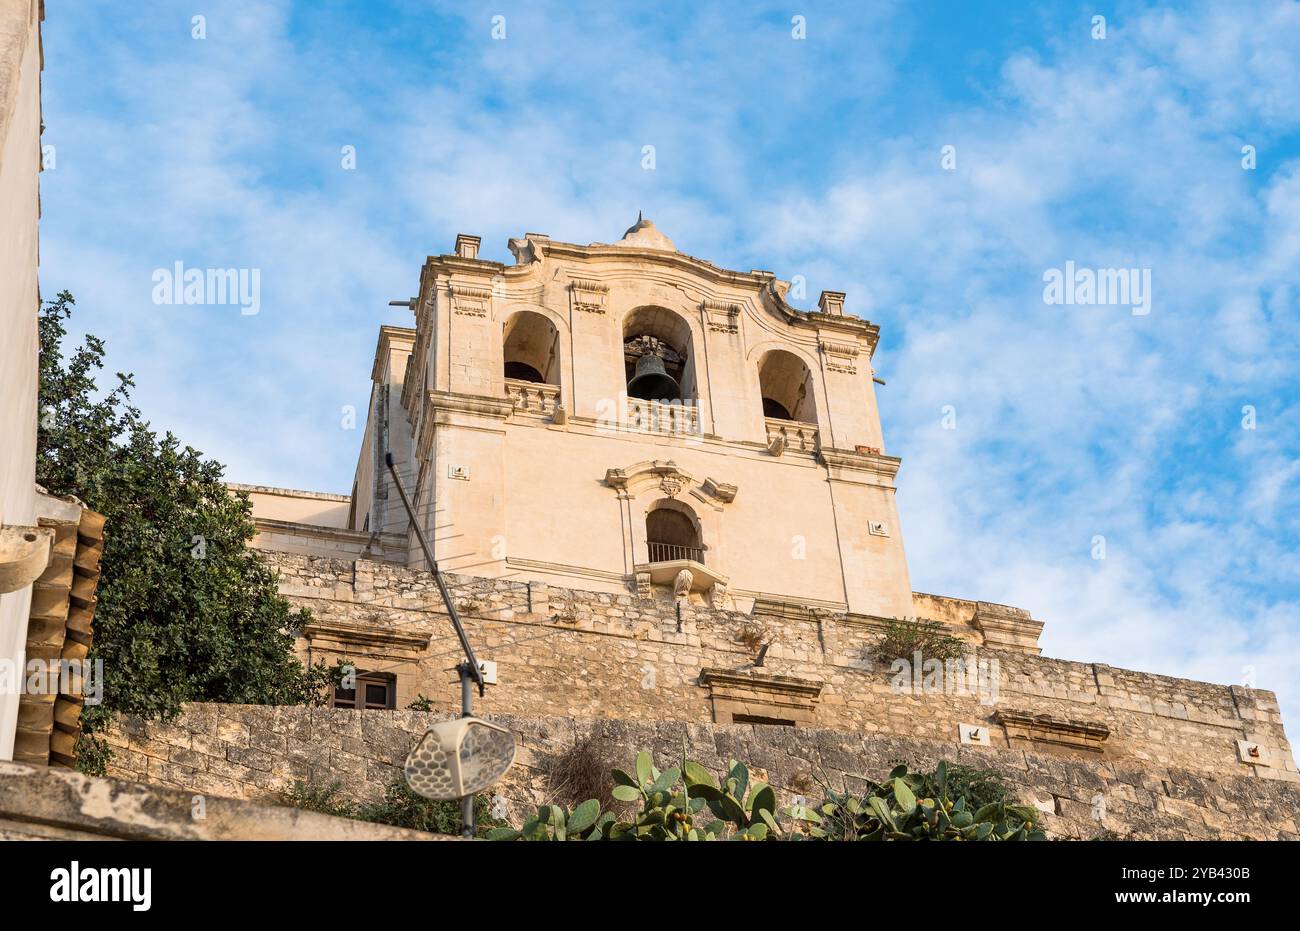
489	669
459	472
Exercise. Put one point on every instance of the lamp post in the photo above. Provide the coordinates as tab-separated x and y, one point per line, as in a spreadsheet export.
455	759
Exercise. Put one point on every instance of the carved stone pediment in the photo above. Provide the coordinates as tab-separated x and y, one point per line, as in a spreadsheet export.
756	697
470	302
840	357
721	316
589	296
722	491
635	479
671	480
1025	728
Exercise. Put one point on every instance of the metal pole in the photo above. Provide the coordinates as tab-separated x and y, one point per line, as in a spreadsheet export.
466	710
469	670
475	671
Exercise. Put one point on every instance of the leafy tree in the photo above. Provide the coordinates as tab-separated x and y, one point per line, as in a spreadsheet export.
186	611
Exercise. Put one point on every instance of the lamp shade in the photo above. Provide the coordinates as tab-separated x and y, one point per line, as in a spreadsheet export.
458	758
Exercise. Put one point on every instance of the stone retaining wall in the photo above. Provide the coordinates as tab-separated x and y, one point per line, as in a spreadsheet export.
598	655
47	803
257	752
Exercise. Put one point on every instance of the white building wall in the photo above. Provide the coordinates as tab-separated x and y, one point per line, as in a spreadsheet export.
20	135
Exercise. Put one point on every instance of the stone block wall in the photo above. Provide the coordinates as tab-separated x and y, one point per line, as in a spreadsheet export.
42	803
257	752
562	652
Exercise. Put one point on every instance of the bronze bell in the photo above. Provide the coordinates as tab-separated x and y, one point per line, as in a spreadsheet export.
651	382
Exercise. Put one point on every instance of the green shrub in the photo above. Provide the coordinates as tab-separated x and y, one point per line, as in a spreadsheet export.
681	804
324	799
686	803
185	610
979	787
403	808
902	639
421	703
915	806
399	807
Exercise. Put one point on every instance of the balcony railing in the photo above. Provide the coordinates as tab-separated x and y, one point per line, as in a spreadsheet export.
532	397
798	435
664	416
671	552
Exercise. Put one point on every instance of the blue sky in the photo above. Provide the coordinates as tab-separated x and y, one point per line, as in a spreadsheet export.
818	157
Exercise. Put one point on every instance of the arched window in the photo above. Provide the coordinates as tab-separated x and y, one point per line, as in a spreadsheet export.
672	534
657	356
531	348
787	387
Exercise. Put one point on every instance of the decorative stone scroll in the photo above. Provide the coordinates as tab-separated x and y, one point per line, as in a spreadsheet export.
723	491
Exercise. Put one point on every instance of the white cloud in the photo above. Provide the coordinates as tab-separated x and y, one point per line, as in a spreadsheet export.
1072	421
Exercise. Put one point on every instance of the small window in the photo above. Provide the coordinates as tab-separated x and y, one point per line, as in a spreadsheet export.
372	691
759	719
671	535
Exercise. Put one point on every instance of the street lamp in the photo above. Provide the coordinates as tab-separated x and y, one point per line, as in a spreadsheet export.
459	758
455	759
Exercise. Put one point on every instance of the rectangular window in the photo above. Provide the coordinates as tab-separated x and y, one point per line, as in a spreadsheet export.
759	719
372	691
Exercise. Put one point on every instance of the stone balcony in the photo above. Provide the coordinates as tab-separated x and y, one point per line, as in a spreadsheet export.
791	435
533	397
679	417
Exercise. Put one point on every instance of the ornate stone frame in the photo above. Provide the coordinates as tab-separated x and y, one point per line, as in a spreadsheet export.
642	484
1025	729
758	695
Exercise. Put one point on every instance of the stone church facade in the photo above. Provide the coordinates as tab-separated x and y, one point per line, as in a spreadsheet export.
661	494
755	462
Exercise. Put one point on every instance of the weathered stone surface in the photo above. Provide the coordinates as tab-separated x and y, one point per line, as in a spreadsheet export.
1081	798
37	802
631	662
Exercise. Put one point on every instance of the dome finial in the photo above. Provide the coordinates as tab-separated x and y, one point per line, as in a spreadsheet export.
644	235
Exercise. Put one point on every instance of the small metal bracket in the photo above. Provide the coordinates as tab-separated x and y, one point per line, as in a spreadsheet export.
1253	752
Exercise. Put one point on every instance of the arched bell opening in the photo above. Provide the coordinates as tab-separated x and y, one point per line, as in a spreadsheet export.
786	386
531	348
657	356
